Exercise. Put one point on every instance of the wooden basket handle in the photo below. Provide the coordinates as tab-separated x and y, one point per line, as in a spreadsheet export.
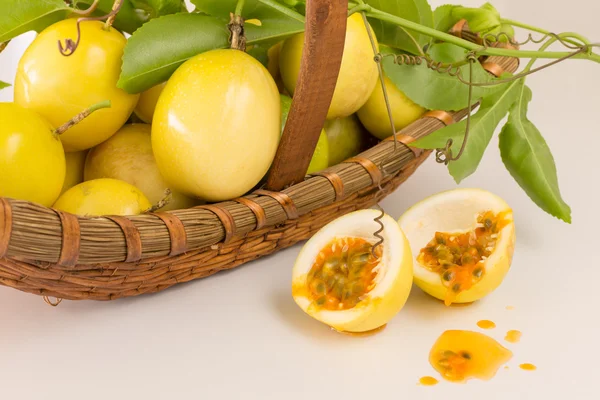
325	34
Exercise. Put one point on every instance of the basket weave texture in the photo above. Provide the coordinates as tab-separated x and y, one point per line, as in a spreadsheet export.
50	253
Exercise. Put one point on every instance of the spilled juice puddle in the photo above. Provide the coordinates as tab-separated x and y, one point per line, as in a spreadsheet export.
486	324
428	381
528	367
510	308
513	336
462	355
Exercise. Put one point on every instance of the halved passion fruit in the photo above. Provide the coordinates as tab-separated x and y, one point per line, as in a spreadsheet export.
463	242
341	279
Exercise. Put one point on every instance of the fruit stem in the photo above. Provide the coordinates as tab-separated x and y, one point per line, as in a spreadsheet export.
239	7
162	202
81	116
236	29
87	11
113	14
3	45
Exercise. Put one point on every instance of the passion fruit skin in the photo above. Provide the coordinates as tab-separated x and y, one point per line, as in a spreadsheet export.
381	303
217	125
346	137
75	163
446	204
103	197
127	156
374	115
59	87
32	159
147	103
358	72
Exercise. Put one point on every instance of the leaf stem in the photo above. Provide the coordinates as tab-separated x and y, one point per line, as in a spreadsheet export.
284	10
239	7
81	116
491	51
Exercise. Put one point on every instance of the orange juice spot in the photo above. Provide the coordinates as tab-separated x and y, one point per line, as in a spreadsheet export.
528	367
510	308
506	367
486	324
342	273
462	355
513	336
428	381
459	258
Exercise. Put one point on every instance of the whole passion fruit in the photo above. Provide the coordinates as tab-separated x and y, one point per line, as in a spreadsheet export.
75	163
216	126
341	279
59	87
463	242
358	72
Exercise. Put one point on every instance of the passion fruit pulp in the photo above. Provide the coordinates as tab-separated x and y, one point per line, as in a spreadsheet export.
343	280
463	242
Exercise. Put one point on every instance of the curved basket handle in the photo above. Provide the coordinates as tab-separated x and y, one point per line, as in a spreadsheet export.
321	60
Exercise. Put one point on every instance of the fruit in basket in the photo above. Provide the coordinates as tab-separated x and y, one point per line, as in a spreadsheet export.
337	280
374	115
463	242
273	65
32	159
147	103
58	87
346	138
320	158
128	156
217	125
358	72
75	162
103	197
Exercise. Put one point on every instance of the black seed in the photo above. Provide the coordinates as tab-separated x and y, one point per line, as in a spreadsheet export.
321	301
477	273
487	223
456	287
321	288
440	240
448	276
465	355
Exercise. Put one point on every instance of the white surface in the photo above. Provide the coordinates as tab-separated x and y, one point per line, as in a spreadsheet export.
239	335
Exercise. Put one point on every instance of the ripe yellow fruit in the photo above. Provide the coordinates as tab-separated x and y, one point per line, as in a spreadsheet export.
103	197
337	280
346	138
374	115
75	162
147	103
217	125
358	72
463	243
59	87
32	159
127	156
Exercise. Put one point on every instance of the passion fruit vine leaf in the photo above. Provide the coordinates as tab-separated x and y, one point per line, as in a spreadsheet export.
157	8
131	16
3	85
392	35
18	16
272	21
438	90
443	19
529	160
157	49
483	124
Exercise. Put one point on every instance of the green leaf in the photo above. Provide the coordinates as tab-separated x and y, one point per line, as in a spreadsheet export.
275	25
434	90
443	19
128	19
483	124
157	49
18	16
529	160
3	85
392	35
157	8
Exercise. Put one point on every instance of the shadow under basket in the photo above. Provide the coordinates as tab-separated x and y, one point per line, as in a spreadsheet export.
54	254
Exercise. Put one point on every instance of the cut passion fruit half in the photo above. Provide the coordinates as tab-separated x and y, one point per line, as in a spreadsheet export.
463	242
340	279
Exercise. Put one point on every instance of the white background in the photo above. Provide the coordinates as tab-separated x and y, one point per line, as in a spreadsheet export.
239	335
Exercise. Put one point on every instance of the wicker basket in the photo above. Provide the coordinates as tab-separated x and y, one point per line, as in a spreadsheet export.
51	253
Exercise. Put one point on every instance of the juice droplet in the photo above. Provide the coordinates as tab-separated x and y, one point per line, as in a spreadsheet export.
486	324
528	367
513	336
363	334
506	367
462	355
428	381
510	308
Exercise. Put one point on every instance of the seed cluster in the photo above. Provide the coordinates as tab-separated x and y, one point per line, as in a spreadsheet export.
454	366
343	272
459	258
